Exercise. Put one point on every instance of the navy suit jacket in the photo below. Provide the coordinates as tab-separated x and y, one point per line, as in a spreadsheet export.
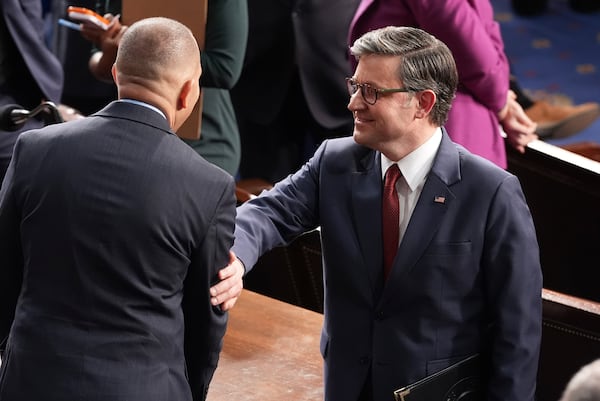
35	73
112	230
466	277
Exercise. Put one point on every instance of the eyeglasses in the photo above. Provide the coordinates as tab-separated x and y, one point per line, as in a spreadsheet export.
369	93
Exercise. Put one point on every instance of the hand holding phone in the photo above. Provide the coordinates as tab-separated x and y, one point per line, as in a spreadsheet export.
85	15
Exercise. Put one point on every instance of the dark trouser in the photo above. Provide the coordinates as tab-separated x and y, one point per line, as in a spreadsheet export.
367	392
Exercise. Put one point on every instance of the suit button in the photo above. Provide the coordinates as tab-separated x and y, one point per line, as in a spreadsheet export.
379	315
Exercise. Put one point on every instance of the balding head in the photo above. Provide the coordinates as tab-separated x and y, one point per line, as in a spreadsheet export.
156	57
585	384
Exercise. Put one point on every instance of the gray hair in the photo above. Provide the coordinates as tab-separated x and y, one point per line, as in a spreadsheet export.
425	63
585	384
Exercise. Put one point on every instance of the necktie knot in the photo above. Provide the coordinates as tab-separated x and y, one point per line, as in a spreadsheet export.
391	176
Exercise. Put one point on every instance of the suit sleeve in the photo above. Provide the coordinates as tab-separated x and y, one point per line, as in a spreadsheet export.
279	215
513	280
469	30
225	43
204	324
11	265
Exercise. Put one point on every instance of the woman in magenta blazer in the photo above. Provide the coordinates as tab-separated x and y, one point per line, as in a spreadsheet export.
483	101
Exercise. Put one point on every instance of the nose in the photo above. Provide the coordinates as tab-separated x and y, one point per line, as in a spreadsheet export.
356	102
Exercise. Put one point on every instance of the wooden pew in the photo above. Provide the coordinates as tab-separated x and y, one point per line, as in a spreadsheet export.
292	274
570	339
563	192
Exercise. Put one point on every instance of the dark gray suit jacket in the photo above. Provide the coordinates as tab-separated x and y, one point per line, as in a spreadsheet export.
466	278
112	230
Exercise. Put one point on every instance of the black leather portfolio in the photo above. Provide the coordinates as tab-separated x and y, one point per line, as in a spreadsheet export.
463	381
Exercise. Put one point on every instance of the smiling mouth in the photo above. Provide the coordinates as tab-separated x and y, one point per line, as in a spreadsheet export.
361	120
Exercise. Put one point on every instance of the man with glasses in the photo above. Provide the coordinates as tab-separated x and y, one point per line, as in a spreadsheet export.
369	93
484	109
420	272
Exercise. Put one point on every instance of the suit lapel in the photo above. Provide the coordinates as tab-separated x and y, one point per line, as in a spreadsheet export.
366	201
433	203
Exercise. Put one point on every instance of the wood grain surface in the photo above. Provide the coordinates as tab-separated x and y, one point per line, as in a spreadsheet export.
270	353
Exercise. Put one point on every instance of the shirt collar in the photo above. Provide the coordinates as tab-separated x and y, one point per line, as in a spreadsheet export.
144	104
416	165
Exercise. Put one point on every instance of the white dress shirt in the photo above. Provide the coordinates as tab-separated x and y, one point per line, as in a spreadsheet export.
415	168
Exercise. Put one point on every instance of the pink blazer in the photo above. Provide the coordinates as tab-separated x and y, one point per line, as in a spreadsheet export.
470	31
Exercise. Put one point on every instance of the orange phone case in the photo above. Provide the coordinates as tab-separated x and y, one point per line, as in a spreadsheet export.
83	14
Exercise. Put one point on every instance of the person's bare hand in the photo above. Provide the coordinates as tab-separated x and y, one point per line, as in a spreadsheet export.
227	291
519	128
68	113
97	35
101	62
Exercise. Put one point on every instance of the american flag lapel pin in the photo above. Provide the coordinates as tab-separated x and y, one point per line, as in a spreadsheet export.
440	199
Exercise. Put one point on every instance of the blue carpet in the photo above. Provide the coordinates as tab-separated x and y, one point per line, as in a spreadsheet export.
555	56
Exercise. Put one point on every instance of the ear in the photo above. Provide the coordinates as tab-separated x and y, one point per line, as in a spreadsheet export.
427	99
183	100
113	71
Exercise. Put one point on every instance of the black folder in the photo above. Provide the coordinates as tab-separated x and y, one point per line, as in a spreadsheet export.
462	381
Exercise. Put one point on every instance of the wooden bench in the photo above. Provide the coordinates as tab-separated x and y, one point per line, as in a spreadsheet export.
293	274
562	189
570	339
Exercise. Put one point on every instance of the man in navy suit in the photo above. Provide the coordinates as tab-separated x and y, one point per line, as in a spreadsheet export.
465	277
112	231
29	72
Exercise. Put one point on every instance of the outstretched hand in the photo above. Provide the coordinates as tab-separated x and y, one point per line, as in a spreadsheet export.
227	291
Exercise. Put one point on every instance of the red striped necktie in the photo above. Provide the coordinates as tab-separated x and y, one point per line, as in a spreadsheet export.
391	217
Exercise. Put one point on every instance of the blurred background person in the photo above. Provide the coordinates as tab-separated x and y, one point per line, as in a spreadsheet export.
81	89
29	72
291	94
